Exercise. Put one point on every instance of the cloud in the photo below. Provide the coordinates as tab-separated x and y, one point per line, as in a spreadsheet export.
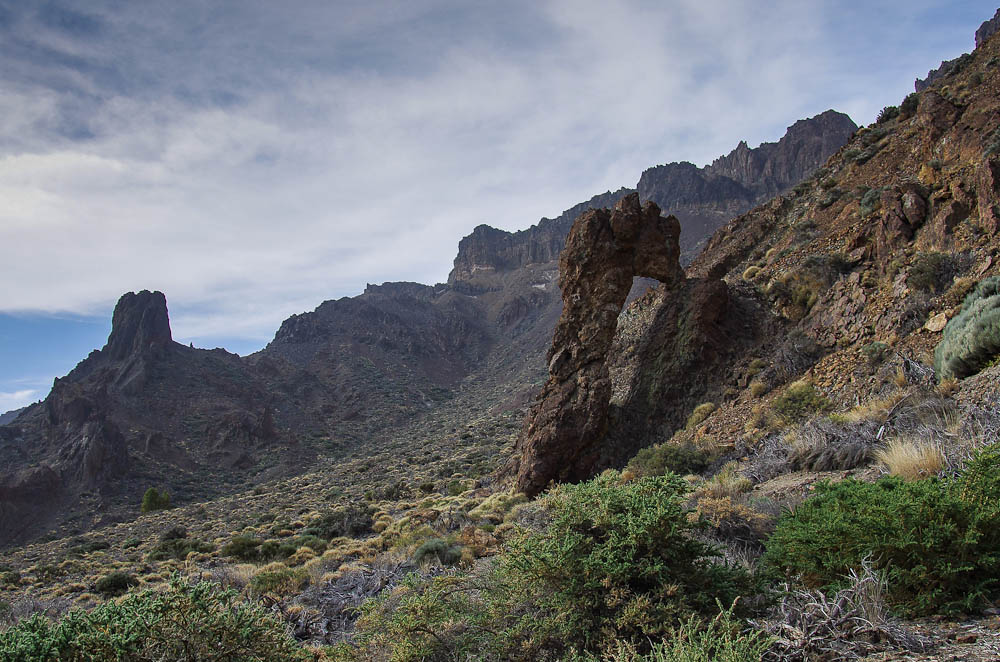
251	161
17	399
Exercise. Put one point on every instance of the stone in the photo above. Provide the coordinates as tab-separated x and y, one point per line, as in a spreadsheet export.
604	251
937	323
140	322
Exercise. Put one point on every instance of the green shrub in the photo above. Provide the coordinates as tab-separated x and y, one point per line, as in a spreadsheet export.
315	543
116	583
875	352
174	544
930	272
971	340
700	413
194	623
871	200
723	639
657	460
909	105
886	114
153	499
350	521
445	552
799	401
277	579
937	541
243	548
616	562
84	546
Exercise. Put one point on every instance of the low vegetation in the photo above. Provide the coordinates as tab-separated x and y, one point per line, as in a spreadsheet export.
971	340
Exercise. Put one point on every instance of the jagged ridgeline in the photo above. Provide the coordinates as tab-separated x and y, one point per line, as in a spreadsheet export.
816	392
146	411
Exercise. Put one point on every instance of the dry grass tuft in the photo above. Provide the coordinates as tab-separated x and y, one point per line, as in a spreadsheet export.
911	459
726	483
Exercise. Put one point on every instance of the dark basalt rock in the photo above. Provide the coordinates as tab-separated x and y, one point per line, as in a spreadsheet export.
604	251
140	323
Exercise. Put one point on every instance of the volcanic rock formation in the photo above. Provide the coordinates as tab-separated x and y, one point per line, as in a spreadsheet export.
604	251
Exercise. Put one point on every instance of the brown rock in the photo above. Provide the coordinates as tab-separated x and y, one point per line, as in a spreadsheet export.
604	251
937	323
988	193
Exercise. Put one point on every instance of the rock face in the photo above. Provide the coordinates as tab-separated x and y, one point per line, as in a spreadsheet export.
705	199
140	323
604	251
988	29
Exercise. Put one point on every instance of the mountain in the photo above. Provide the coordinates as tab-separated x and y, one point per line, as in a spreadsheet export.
840	288
146	411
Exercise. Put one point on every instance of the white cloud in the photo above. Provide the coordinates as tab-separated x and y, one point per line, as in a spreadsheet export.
17	399
279	158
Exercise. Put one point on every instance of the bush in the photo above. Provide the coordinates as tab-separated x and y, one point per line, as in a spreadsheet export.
799	401
657	460
174	544
722	639
243	548
445	552
153	499
278	579
937	541
195	623
616	562
886	114
971	340
930	272
700	413
909	105
911	459
116	583
875	352
351	521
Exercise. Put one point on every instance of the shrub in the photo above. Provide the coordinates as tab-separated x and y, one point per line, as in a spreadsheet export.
751	272
871	200
153	499
200	622
911	459
723	639
758	387
243	548
616	562
445	552
971	340
116	583
700	413
177	547
350	521
726	483
937	542
909	105
799	401
657	460
886	114
278	579
875	352
930	272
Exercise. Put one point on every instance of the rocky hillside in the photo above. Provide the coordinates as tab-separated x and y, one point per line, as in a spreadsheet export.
838	290
145	411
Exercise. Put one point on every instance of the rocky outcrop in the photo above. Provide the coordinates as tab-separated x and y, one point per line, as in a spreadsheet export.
988	29
705	199
140	323
604	251
489	252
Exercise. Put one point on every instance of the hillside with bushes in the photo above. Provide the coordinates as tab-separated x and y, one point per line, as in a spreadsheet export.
797	453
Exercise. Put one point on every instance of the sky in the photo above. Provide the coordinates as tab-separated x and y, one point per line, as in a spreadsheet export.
251	158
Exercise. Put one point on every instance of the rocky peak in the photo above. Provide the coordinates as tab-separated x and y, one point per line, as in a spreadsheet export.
773	167
988	29
140	322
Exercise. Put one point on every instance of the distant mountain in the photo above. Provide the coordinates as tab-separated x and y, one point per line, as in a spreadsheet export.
145	411
8	417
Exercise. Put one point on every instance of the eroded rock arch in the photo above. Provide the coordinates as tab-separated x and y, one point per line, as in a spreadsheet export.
604	251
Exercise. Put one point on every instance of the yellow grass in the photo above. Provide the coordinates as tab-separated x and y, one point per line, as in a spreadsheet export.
910	459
